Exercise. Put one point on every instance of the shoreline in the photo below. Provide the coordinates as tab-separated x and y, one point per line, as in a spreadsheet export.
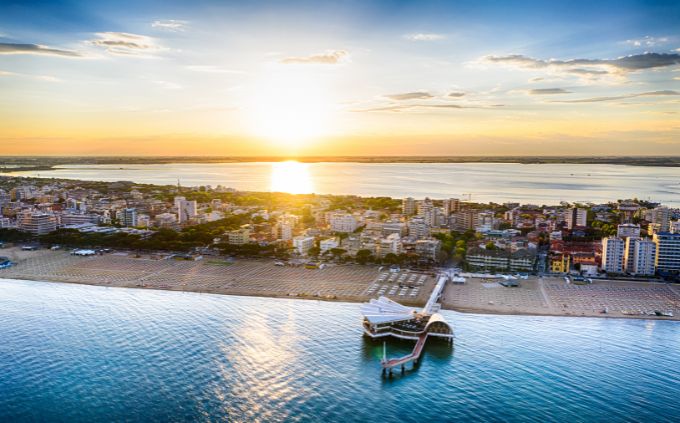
348	300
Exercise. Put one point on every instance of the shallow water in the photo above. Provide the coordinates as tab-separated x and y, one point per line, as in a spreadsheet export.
484	182
83	353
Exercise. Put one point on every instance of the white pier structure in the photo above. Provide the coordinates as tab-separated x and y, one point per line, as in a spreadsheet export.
384	317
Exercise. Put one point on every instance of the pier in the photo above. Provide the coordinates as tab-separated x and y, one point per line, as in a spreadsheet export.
384	317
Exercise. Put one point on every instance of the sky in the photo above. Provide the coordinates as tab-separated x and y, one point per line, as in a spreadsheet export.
301	78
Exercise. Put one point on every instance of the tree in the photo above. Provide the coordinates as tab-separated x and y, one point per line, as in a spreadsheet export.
364	256
314	251
490	246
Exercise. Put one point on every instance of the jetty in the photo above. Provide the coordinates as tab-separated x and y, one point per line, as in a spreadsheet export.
384	317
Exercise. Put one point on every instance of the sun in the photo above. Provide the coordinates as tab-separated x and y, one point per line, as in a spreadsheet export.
292	177
290	107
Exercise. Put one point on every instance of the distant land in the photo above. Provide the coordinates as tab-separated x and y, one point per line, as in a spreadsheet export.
32	163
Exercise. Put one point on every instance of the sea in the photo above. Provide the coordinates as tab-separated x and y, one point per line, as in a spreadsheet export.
540	184
78	353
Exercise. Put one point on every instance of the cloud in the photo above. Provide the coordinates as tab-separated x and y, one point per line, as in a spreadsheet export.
6	73
421	106
548	91
170	25
621	97
590	67
167	85
456	94
647	41
417	95
123	43
46	78
213	69
11	48
424	37
330	57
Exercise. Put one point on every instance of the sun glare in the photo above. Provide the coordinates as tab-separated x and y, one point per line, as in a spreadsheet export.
292	177
290	107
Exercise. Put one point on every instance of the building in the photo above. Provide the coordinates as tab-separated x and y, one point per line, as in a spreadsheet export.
628	210
37	223
302	244
417	228
343	222
522	260
408	206
660	216
391	227
239	236
283	230
628	230
675	227
560	263
613	253
127	217
576	217
428	249
483	259
328	244
185	209
464	220
641	256
667	251
77	219
452	205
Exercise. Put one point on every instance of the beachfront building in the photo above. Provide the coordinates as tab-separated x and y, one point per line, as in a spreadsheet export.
640	256
239	236
302	244
37	223
560	263
328	244
613	253
428	249
667	251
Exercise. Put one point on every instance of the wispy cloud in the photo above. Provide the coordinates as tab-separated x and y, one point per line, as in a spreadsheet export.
416	95
457	94
330	57
647	41
423	106
167	85
46	78
213	69
420	36
590	67
37	49
621	97
124	43
170	25
548	91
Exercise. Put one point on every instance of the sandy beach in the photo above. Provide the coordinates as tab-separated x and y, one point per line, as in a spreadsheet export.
352	283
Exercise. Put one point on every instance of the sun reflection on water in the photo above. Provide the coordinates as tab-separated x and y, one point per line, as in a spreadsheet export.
292	177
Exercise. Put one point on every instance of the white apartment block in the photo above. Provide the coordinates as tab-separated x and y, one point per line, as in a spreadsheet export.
343	222
185	209
328	244
408	206
642	256
302	244
628	230
37	223
613	252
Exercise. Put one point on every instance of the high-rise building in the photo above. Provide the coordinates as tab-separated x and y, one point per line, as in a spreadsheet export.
408	206
628	210
426	210
576	217
37	223
667	251
613	253
127	217
302	244
452	205
185	209
660	216
640	256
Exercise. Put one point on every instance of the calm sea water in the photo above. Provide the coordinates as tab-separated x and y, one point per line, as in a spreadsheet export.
539	183
79	353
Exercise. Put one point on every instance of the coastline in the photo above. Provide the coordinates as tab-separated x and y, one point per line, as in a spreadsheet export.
344	283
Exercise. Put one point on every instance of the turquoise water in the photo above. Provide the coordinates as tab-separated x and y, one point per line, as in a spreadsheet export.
79	353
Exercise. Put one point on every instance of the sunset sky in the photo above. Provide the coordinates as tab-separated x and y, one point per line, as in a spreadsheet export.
339	78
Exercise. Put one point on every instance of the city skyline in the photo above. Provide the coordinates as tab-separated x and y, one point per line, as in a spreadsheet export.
385	78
